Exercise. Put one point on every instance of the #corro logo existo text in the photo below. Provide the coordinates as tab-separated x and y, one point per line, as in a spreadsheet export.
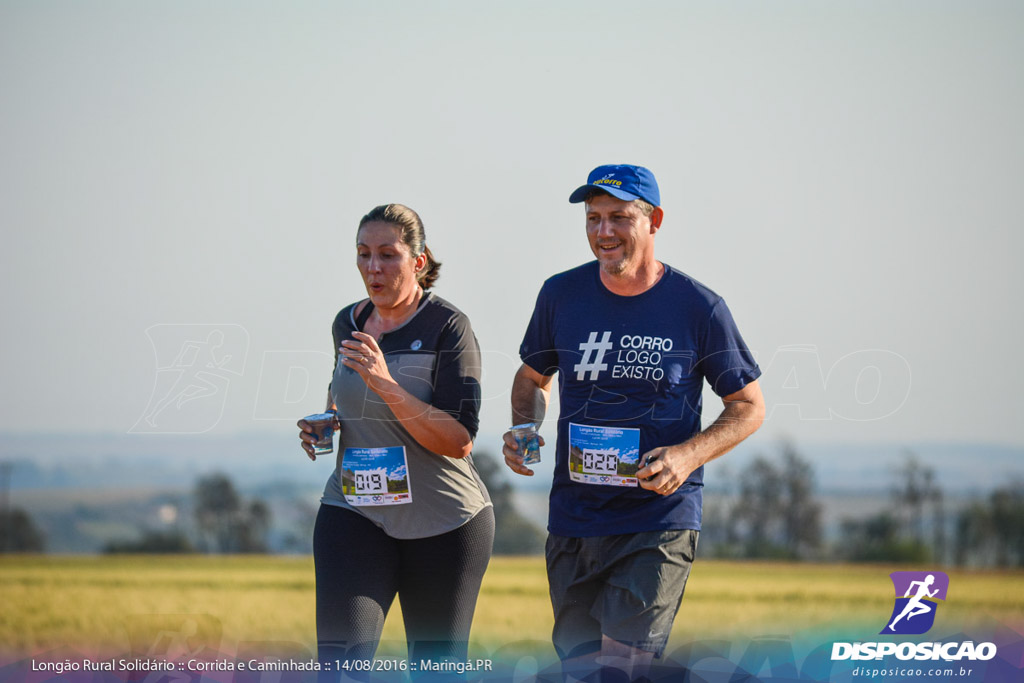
916	603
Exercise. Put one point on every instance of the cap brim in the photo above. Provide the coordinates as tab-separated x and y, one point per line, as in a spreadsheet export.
580	193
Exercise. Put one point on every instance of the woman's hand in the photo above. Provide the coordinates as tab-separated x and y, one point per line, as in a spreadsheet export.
307	438
363	355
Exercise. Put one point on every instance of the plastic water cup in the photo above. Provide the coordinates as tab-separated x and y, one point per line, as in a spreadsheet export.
526	438
323	430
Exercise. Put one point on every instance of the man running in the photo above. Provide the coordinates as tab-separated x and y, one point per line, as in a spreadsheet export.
633	341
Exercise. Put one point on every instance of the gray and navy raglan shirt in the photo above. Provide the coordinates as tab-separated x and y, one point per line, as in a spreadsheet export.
434	356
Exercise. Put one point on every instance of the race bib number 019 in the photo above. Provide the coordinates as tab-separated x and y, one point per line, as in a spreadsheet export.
372	481
606	456
375	476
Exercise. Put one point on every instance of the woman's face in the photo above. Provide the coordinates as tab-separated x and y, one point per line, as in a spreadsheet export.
387	265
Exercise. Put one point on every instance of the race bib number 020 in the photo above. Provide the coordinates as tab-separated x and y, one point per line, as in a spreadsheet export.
375	476
606	456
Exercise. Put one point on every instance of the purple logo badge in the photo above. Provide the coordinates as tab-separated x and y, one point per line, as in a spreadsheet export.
917	594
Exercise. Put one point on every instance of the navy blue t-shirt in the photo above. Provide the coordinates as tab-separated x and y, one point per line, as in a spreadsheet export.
628	365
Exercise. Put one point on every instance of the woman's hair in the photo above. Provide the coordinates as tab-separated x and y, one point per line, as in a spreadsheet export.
410	230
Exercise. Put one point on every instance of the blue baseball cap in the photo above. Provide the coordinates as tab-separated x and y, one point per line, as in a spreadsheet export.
622	181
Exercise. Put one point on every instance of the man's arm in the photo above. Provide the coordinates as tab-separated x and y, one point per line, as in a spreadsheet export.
667	467
530	393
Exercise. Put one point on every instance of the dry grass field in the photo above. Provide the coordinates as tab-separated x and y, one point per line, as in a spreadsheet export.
126	603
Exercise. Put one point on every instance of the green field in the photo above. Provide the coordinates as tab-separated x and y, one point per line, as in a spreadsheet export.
118	604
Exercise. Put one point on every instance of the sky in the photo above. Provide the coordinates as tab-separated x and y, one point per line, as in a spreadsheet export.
180	184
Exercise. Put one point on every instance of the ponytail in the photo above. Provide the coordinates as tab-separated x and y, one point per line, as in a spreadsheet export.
428	276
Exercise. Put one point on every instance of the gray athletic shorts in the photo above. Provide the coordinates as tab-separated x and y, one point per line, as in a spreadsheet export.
627	587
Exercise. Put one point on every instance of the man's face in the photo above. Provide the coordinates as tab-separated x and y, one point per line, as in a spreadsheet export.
620	234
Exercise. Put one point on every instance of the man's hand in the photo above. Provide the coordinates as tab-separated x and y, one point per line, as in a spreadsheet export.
666	468
530	392
513	458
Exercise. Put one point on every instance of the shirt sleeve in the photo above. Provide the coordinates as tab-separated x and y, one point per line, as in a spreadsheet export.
457	377
725	361
538	347
338	333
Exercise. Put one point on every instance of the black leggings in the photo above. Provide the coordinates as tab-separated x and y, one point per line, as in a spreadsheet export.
359	569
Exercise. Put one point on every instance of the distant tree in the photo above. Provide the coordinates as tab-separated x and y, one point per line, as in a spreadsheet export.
513	533
992	532
19	534
801	512
252	532
974	527
1007	505
879	539
775	513
939	544
298	537
757	515
217	509
898	534
917	489
157	542
719	536
226	524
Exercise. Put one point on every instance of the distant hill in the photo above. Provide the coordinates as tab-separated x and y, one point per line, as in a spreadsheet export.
842	468
960	468
172	462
